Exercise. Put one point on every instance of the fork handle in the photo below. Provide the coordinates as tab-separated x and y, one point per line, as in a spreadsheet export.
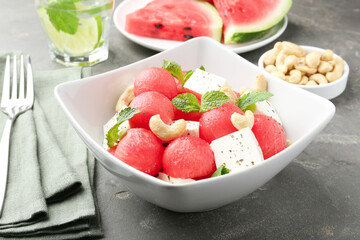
4	160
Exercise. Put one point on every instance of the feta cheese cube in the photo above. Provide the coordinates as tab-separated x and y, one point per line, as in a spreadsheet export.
237	150
202	82
192	128
266	108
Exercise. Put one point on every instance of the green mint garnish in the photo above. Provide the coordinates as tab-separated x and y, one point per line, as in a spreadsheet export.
62	15
222	170
187	102
245	102
114	135
188	75
175	69
212	99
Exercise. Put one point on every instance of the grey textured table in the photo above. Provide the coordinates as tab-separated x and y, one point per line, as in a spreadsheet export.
317	196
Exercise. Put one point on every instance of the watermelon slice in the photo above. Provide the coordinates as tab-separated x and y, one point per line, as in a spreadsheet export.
175	20
246	20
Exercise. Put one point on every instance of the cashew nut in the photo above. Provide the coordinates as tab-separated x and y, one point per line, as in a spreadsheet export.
290	61
313	59
328	55
338	70
304	80
311	83
242	121
295	76
270	56
290	48
230	93
260	83
280	62
301	66
279	75
270	68
319	78
125	99
164	131
287	78
325	67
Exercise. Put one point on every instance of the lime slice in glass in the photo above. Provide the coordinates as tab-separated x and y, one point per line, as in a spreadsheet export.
84	41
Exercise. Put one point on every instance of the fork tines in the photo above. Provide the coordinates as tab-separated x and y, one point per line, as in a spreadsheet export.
15	94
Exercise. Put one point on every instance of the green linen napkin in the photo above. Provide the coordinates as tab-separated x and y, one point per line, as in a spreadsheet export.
49	191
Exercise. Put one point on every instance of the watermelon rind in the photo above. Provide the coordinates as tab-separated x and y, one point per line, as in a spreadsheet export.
239	33
217	24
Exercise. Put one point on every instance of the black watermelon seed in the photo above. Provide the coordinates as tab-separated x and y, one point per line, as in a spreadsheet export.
158	25
187	28
188	36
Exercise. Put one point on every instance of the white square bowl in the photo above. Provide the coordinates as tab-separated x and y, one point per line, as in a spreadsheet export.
89	103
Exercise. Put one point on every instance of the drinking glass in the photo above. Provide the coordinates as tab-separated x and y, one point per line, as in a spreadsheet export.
77	30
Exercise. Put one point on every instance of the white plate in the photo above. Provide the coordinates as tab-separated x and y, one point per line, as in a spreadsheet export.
128	6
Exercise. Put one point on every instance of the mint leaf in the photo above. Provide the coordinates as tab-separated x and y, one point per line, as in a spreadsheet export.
175	70
186	102
222	170
126	114
62	15
212	99
114	135
188	75
245	101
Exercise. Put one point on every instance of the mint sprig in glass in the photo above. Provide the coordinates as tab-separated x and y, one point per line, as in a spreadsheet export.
77	30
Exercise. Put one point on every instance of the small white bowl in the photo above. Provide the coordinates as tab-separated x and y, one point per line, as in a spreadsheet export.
89	103
329	90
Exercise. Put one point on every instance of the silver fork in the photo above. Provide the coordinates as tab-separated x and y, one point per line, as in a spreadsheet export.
13	106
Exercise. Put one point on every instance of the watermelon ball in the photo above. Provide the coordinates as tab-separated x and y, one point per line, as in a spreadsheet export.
217	123
150	104
269	134
155	79
141	149
188	157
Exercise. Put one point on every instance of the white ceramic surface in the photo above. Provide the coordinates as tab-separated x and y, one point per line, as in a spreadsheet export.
89	103
128	6
329	91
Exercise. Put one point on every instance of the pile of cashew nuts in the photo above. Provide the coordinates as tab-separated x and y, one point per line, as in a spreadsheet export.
289	62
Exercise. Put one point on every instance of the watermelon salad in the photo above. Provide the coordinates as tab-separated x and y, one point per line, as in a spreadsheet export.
184	126
230	21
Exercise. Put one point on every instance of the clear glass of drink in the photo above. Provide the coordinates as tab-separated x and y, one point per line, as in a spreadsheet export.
77	30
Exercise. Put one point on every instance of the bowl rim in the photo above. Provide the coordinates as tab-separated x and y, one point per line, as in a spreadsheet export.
152	179
307	48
